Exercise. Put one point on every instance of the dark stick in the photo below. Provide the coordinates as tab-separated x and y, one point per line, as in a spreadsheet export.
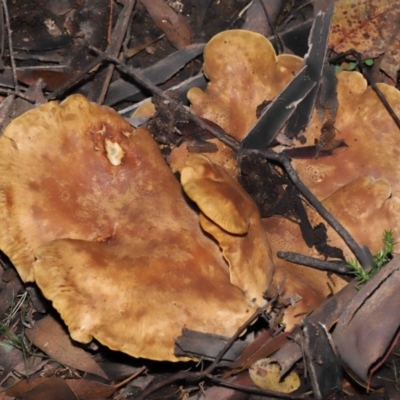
333	266
376	89
139	78
77	78
364	258
117	38
18	94
10	46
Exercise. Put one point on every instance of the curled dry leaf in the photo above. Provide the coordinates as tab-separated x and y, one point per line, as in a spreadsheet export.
107	234
376	304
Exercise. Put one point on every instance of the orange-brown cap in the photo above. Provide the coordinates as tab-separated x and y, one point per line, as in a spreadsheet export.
91	212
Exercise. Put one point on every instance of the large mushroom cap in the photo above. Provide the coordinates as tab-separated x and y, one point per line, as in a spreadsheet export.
244	72
371	136
91	212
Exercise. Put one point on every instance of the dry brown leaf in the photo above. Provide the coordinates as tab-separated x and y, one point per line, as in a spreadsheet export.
53	79
175	26
43	388
364	25
263	346
50	337
82	388
375	307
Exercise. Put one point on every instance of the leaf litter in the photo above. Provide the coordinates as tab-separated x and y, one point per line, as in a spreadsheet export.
18	358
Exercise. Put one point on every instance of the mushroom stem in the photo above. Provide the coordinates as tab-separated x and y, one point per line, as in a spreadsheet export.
363	256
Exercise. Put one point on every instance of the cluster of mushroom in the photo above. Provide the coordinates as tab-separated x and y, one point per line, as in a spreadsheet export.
91	212
358	184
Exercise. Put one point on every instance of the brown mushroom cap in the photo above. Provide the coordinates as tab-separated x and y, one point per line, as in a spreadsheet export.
230	215
107	235
365	199
372	137
244	71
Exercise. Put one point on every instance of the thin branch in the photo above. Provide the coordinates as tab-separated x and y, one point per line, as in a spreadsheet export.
10	46
117	38
376	89
77	78
143	81
18	94
333	266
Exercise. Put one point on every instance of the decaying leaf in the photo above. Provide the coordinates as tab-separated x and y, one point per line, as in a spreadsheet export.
50	337
370	27
363	25
81	388
47	388
367	327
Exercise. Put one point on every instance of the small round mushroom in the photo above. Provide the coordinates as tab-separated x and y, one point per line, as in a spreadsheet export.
90	211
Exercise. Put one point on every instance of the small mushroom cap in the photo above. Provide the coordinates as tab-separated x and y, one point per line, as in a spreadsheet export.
230	215
211	188
244	71
111	241
224	156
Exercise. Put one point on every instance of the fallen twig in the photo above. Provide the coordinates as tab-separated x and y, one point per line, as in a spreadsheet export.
10	46
333	266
